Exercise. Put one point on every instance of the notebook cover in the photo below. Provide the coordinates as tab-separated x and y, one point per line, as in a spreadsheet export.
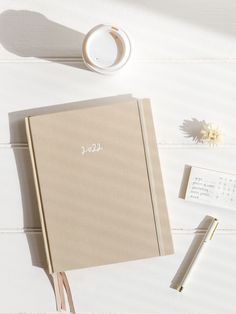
99	186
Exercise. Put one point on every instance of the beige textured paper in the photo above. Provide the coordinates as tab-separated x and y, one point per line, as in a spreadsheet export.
98	207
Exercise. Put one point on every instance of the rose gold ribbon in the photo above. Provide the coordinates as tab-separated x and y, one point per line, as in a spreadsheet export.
61	286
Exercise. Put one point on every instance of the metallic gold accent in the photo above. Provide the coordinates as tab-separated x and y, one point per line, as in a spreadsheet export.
214	230
180	289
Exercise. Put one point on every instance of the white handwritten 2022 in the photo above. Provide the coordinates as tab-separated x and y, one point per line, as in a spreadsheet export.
93	148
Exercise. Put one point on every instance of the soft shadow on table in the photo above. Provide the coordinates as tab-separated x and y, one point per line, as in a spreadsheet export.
25	173
31	34
30	212
192	129
199	234
217	15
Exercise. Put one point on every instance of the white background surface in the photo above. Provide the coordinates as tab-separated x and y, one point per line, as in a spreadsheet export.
184	60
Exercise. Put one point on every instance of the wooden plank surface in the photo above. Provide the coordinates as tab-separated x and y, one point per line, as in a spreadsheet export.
184	59
180	92
19	206
133	287
159	29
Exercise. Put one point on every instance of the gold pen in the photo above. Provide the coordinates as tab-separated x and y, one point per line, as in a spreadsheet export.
207	236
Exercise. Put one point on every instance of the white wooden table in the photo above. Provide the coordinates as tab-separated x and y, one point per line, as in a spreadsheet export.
184	60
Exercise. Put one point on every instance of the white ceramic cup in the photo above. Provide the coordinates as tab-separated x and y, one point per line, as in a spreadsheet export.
106	49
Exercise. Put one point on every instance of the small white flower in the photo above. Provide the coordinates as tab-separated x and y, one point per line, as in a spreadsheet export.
211	134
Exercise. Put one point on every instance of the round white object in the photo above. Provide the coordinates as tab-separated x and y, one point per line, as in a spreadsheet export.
106	49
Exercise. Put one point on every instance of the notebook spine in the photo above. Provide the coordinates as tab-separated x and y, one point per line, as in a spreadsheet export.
157	192
38	193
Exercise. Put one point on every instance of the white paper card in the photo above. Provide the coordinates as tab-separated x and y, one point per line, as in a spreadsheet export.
212	188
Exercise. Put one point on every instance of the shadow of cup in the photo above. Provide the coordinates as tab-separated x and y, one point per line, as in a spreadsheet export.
31	34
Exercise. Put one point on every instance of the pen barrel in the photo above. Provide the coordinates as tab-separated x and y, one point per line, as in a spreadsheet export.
192	264
197	252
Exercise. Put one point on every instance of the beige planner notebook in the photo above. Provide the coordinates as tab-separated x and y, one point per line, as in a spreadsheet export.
99	185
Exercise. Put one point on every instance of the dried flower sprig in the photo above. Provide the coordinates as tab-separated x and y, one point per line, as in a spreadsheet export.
211	134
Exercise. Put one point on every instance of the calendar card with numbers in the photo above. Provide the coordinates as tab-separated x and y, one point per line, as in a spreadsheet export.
212	188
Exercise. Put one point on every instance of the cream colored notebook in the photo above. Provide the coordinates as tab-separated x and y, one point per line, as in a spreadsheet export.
99	185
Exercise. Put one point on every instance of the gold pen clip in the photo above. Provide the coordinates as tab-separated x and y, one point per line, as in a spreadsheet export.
214	230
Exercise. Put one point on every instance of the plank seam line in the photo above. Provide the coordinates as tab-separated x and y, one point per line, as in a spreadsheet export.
65	59
168	145
174	230
38	313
